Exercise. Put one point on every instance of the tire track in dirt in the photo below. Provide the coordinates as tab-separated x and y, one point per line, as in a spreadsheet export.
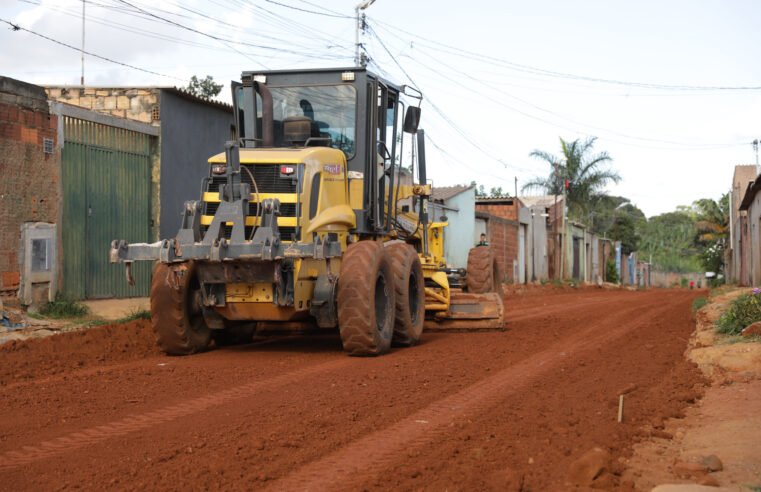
108	369
514	314
143	421
371	455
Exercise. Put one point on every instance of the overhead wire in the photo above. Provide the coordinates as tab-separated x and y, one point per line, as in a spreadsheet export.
17	27
558	115
691	145
436	109
559	74
340	16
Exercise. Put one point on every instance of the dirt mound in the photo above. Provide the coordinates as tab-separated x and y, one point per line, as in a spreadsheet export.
34	358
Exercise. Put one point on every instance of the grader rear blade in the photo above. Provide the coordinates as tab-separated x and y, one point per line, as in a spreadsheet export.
470	312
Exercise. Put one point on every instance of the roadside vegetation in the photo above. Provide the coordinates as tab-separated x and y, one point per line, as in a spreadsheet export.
63	308
743	311
698	303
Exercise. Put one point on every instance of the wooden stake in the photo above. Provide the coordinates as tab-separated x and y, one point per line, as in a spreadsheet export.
620	408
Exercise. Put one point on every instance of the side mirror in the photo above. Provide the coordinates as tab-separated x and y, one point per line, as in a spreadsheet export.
411	119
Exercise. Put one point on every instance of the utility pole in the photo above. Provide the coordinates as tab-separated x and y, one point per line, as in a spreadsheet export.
360	59
516	187
755	149
82	78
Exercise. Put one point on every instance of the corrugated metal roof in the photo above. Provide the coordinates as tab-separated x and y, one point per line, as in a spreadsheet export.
191	97
181	92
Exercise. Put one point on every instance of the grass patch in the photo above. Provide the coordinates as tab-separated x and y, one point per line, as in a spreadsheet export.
64	308
699	303
743	311
133	315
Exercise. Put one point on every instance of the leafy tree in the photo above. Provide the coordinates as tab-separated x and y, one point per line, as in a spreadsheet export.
206	88
495	191
603	211
480	193
669	239
584	172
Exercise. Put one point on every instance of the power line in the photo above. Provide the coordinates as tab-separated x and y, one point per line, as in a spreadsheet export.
340	16
16	27
451	123
552	73
313	4
552	123
177	24
553	113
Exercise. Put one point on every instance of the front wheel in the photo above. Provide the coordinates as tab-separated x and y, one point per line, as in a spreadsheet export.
409	289
365	300
176	313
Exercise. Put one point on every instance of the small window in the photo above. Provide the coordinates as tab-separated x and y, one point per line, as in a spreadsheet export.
40	255
47	145
155	114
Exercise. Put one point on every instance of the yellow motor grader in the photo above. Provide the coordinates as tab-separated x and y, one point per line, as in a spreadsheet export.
308	222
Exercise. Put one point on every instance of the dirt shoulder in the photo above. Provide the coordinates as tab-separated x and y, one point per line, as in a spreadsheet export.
716	443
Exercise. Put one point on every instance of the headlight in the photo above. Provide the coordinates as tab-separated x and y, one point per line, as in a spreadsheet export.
218	168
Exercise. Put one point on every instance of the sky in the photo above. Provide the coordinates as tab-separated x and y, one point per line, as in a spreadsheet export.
671	90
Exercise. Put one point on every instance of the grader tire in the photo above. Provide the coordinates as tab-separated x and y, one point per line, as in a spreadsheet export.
365	300
483	273
176	318
409	290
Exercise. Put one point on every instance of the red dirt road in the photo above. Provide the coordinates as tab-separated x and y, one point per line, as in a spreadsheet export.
103	409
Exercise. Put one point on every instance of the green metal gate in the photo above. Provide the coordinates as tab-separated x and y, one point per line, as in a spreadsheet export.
106	178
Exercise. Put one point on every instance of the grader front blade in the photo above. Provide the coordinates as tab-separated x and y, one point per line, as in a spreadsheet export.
469	312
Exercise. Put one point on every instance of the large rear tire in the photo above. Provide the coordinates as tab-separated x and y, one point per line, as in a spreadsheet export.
365	300
409	290
483	273
175	313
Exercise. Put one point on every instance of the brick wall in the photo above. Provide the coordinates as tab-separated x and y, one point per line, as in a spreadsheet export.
29	178
503	240
133	104
504	209
502	229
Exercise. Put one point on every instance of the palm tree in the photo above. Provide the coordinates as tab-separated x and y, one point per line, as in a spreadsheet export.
583	172
712	219
712	224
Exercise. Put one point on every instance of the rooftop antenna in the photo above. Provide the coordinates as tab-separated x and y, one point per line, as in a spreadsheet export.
360	60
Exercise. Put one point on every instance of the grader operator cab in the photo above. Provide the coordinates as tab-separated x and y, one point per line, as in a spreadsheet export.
307	221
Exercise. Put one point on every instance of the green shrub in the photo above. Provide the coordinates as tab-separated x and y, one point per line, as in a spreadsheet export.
683	282
743	311
64	308
611	274
136	314
698	303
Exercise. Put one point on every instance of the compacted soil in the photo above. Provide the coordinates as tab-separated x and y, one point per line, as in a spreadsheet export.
512	410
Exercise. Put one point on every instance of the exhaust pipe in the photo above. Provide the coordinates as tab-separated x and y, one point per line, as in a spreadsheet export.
268	123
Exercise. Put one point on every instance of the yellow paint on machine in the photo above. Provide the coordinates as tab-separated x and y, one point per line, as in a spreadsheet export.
213	197
256	292
251	221
283	156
